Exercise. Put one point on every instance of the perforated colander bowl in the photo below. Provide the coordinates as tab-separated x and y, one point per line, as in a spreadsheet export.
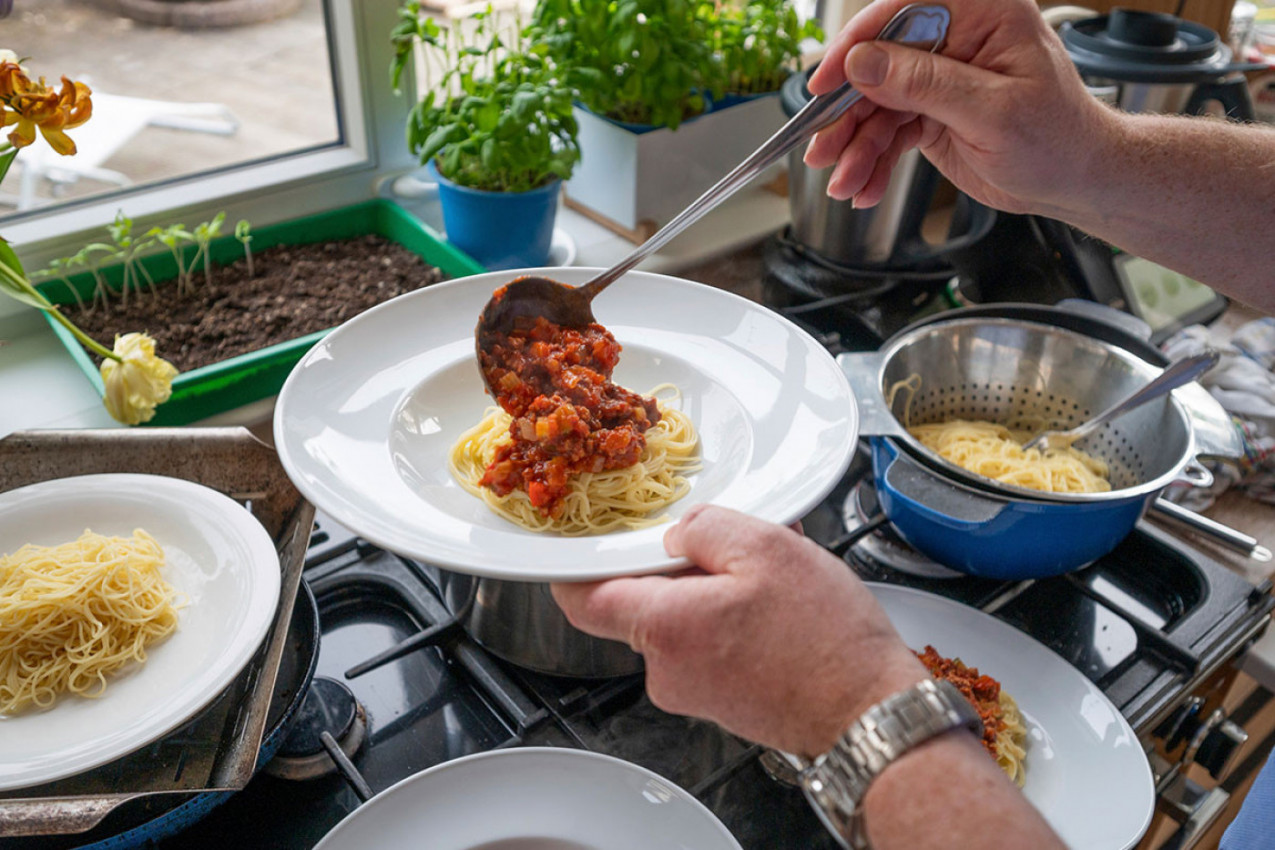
1035	376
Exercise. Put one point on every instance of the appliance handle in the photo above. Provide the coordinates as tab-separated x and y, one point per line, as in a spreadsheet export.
913	250
1233	94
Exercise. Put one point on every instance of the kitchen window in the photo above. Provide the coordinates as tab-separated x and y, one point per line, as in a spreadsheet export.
265	121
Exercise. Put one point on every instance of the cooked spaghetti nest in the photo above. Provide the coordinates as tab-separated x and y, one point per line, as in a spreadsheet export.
996	451
75	613
598	502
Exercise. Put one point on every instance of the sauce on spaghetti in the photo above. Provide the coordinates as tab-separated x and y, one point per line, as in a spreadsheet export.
568	417
983	692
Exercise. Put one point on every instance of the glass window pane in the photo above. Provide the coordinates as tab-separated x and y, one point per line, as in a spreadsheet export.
170	102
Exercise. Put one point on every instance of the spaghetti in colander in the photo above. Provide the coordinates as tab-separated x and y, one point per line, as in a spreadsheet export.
996	452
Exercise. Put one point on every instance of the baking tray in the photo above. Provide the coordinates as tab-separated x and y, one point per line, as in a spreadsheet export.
217	750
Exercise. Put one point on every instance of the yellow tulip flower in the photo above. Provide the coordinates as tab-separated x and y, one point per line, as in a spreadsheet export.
31	105
137	382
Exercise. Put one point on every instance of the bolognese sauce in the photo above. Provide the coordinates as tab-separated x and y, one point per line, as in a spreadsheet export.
568	417
983	692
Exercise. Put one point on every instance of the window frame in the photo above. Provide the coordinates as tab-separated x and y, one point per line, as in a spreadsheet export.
371	146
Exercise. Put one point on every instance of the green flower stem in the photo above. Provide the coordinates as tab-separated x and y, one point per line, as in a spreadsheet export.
85	340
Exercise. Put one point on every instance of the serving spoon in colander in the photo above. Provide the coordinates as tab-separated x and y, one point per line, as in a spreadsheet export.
521	301
1175	375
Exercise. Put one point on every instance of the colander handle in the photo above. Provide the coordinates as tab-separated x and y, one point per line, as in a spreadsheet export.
863	370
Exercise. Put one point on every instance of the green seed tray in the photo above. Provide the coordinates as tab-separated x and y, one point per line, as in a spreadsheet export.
237	381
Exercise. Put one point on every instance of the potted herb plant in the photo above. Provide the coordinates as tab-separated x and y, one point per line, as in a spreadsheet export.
494	128
671	95
757	46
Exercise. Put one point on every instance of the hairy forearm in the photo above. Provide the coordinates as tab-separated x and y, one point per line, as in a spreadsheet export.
952	782
1194	194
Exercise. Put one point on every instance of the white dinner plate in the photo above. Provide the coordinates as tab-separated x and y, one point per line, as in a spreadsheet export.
217	557
533	798
367	419
1086	772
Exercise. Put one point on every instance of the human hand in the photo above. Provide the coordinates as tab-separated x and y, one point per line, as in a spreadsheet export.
1001	112
773	638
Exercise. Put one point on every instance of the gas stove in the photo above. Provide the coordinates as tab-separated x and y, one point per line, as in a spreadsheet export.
1146	623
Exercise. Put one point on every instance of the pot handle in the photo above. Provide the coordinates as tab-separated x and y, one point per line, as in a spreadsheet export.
1227	536
928	494
1232	94
863	369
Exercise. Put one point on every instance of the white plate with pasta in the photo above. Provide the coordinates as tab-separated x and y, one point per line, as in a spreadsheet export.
1084	768
367	422
202	564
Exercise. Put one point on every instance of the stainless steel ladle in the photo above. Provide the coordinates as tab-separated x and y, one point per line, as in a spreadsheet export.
923	26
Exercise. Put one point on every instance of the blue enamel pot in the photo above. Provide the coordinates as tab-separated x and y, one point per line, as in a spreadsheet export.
1025	375
993	536
501	230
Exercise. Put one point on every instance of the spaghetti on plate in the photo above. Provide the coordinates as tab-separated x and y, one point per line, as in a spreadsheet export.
75	613
1004	733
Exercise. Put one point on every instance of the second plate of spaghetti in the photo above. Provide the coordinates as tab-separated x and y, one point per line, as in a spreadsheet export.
1079	762
385	425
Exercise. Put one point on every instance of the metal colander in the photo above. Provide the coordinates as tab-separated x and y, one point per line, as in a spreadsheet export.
1033	376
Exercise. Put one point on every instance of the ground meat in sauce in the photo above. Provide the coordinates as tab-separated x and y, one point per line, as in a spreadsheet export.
983	692
568	417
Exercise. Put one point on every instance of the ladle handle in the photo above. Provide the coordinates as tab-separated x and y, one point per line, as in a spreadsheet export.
1180	372
921	25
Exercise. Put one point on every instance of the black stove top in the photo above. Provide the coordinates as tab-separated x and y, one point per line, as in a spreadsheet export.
1144	623
428	701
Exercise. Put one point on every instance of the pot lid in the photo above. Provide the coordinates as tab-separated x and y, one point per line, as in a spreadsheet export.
1147	47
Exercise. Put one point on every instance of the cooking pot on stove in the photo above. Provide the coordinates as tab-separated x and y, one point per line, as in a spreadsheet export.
1156	62
886	237
1011	370
520	622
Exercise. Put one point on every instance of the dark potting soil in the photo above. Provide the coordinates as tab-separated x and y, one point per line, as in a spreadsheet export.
294	290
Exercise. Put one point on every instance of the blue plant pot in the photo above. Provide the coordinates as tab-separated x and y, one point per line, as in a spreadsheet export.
501	230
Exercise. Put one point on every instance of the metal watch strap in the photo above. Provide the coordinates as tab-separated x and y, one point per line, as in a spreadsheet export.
836	781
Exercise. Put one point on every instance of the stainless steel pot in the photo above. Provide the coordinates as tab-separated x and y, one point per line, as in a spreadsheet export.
887	236
520	622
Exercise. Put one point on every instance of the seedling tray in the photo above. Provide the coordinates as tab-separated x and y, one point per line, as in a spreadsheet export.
236	381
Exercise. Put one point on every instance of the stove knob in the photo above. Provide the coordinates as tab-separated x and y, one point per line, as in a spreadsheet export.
1181	725
1219	747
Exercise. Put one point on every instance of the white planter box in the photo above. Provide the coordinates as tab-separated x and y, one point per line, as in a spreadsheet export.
636	178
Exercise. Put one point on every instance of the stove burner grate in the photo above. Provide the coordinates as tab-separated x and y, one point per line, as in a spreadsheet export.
884	547
330	715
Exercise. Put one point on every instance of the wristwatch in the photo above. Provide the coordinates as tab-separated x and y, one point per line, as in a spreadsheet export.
836	781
